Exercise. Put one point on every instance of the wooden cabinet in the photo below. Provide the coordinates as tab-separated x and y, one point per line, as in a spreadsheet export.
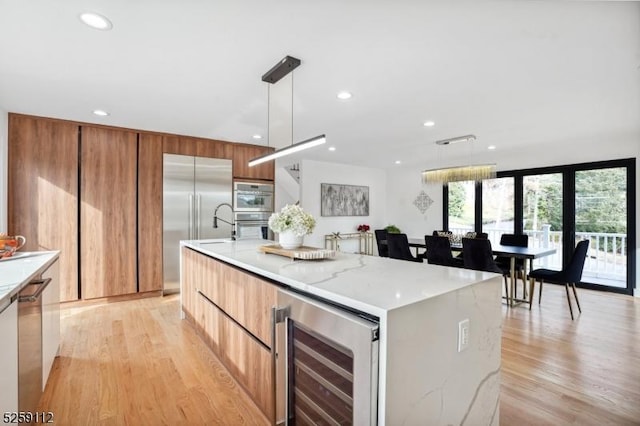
195	272
197	147
248	300
232	311
241	156
95	194
43	191
249	363
108	189
149	212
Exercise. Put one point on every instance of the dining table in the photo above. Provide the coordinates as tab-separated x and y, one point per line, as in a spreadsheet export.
513	253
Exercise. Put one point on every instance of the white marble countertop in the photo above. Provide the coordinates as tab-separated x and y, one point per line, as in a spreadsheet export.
370	284
17	271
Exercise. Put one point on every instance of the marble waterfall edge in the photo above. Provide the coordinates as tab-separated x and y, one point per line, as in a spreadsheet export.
441	386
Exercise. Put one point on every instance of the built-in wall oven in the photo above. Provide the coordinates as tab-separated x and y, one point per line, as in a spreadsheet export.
252	225
252	197
330	363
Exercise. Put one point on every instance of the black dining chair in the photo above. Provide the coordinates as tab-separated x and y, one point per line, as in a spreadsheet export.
399	248
439	251
381	241
572	274
504	262
477	254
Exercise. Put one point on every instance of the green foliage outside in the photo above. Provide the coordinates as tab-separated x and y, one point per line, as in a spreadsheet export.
601	202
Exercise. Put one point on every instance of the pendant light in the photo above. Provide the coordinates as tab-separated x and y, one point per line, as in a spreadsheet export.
459	173
275	74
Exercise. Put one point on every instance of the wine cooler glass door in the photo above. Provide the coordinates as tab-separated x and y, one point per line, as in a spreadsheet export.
331	364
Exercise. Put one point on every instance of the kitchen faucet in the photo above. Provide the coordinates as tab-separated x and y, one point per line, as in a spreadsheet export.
232	223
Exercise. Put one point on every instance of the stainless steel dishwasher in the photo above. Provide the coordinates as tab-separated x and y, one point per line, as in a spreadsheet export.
30	345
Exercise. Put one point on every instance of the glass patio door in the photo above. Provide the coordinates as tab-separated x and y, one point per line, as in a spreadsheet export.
601	218
542	215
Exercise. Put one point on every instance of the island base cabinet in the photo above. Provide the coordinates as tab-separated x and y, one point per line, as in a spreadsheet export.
9	358
248	360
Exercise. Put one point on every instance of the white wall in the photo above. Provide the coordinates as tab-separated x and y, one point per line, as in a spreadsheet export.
404	185
313	173
4	143
287	189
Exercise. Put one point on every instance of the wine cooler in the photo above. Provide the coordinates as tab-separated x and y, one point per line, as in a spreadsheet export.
330	364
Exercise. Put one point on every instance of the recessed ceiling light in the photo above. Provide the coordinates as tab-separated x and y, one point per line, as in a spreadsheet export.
428	123
398	161
491	147
344	95
257	136
96	21
332	148
100	112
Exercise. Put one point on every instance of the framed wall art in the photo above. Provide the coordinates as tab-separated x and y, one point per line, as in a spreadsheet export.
344	200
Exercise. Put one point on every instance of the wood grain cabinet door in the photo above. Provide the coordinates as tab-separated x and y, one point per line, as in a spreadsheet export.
43	191
108	223
149	212
241	156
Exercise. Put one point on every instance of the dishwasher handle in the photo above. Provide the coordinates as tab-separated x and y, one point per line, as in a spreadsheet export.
34	297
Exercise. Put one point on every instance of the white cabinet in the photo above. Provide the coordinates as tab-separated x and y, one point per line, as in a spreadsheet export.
9	358
50	320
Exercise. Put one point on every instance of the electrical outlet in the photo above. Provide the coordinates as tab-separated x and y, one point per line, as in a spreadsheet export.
463	335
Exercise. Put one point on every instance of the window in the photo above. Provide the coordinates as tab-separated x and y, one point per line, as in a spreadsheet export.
601	218
557	207
497	207
461	207
542	215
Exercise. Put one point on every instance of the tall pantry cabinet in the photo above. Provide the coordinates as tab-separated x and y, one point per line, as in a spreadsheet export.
43	191
74	188
108	221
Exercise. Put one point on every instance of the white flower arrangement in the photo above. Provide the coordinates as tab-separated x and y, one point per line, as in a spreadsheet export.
292	218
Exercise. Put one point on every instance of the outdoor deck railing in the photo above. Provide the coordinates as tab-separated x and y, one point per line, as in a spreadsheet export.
606	261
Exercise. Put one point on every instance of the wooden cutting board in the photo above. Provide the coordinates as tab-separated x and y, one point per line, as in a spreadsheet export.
303	252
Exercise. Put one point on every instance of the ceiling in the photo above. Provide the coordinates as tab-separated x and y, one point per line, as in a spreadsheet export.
510	72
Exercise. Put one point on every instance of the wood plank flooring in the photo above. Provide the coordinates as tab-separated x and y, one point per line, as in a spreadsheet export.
561	372
137	363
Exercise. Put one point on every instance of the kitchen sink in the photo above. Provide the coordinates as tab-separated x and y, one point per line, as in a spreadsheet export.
218	241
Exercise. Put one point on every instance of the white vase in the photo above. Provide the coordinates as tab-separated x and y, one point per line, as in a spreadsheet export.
288	240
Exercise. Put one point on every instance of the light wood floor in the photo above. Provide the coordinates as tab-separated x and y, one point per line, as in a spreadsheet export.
137	363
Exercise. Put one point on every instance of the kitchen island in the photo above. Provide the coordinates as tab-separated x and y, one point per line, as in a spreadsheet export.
228	289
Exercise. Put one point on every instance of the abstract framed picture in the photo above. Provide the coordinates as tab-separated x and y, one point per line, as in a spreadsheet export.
344	200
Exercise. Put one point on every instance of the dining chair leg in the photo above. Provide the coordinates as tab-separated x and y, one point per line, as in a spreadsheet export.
506	287
532	288
540	293
566	287
575	293
524	285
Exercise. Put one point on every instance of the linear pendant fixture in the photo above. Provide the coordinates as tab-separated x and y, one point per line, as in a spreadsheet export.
275	74
309	143
460	173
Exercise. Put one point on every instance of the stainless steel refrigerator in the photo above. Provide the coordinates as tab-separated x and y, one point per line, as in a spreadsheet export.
192	189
